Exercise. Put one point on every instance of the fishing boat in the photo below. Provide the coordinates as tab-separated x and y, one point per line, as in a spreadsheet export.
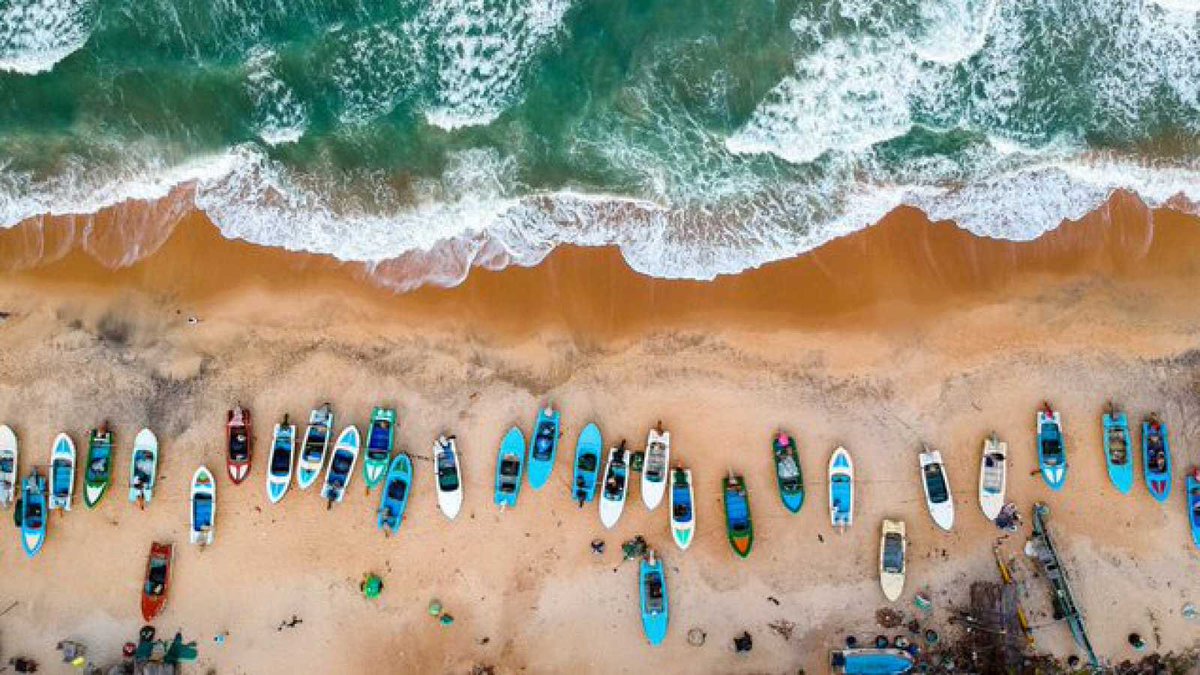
652	587
8	466
1156	457
381	439
62	473
1043	547
1052	451
448	472
204	507
1193	504
738	525
143	467
871	661
655	468
841	489
341	466
279	469
1118	453
587	464
993	476
543	448
158	577
683	513
788	474
893	546
98	474
937	489
510	464
239	441
393	500
32	510
616	485
316	444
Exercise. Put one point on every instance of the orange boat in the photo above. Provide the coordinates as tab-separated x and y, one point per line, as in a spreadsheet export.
238	441
158	576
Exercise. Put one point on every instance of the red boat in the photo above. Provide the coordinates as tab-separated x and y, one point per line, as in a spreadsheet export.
158	575
238	441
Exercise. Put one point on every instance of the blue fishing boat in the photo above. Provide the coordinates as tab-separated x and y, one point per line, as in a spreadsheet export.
394	496
870	661
543	447
1052	452
738	526
1156	457
1193	504
652	584
381	437
841	489
33	513
509	466
587	464
1117	450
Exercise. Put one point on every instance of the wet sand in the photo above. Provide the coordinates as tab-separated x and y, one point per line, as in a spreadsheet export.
905	333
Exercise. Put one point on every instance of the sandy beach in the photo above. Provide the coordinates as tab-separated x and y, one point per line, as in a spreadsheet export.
908	332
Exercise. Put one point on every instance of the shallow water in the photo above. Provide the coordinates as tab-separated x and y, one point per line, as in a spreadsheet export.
702	138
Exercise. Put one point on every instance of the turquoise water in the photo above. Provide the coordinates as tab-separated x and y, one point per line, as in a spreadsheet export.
701	137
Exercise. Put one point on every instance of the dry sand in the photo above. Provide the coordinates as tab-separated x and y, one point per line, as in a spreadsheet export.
909	332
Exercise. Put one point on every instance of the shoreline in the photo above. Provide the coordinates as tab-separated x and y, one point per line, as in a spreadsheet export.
878	341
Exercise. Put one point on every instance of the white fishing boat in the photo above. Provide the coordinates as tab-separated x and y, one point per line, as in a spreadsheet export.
448	473
893	547
936	484
993	476
615	486
8	466
654	470
317	437
62	473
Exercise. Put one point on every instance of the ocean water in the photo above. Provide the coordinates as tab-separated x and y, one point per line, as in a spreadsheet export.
701	137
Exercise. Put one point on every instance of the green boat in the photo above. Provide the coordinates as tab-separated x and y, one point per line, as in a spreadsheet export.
98	474
380	439
738	525
788	473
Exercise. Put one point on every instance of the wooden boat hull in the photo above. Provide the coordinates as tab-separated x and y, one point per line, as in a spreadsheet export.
157	581
238	435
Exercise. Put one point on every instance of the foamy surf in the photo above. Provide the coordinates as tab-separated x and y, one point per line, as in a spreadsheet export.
37	34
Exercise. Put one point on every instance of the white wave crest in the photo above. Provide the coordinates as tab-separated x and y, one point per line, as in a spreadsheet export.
483	49
279	115
37	34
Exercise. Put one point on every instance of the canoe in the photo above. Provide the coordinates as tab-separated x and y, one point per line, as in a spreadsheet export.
893	547
239	442
393	498
1156	457
381	439
33	513
62	473
1193	504
203	501
341	465
738	525
652	587
788	474
543	448
97	473
841	489
871	661
587	464
993	476
655	468
9	482
937	489
158	577
143	467
279	468
616	485
683	513
1052	451
317	436
1118	448
448	472
510	464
